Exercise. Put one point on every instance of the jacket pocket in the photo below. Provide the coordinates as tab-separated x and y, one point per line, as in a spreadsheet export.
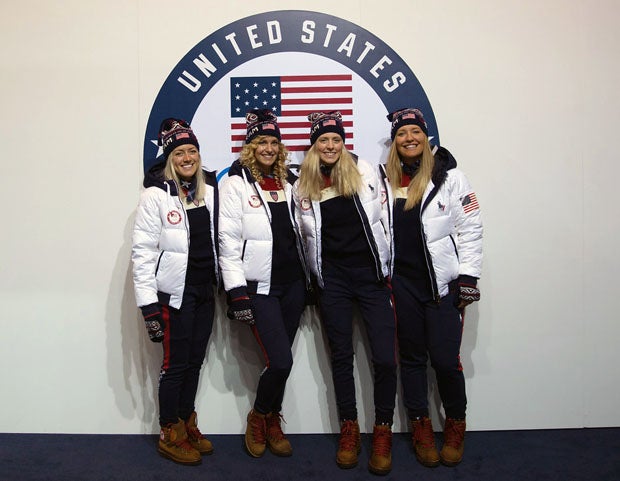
158	262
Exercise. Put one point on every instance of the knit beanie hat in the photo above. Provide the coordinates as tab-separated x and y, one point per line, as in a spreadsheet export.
261	122
173	133
406	117
324	122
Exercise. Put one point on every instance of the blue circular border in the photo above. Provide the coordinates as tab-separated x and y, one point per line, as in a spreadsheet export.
176	100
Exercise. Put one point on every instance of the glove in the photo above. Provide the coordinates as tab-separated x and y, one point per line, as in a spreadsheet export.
311	298
468	292
154	322
240	309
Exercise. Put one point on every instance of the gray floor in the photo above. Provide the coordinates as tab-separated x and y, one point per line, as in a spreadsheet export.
571	454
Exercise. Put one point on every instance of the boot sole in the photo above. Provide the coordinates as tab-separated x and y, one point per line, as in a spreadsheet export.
434	464
166	455
281	454
449	463
380	472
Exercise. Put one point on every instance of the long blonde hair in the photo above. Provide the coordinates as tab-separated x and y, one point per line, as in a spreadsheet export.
280	167
420	180
344	175
171	174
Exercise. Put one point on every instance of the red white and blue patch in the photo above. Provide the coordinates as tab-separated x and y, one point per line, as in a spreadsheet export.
174	217
470	203
254	201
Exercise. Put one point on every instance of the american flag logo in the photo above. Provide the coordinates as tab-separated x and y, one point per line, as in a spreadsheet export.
183	135
291	98
470	203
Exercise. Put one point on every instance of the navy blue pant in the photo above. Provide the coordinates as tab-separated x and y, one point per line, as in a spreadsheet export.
277	318
429	329
186	335
344	286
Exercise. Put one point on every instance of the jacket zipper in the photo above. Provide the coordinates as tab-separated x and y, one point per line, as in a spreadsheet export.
429	265
369	237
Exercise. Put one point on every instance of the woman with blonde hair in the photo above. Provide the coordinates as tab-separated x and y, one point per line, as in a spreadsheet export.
262	269
436	235
175	269
337	202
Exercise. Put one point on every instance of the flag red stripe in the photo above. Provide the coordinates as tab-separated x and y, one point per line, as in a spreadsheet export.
306	136
297	90
290	125
300	136
291	148
307	78
317	101
306	112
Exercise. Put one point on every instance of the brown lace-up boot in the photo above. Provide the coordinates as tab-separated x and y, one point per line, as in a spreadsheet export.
349	445
454	442
424	442
196	439
381	459
276	440
174	444
256	434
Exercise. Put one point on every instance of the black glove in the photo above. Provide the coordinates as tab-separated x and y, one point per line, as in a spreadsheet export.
468	292
312	294
240	308
154	322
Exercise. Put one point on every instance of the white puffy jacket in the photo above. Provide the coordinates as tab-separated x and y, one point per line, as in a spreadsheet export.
245	236
368	205
161	240
452	236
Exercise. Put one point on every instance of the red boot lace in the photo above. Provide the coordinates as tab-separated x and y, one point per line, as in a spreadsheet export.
257	423
274	429
193	432
423	433
382	441
183	443
454	433
348	436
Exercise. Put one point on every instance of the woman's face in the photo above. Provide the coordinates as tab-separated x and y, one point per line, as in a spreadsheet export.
329	146
186	160
410	141
266	153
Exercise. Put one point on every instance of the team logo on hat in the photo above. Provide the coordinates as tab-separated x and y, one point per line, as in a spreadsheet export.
316	63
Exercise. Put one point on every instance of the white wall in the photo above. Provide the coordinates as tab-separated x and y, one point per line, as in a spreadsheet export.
525	94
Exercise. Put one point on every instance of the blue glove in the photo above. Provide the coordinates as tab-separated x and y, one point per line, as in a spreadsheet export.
468	292
240	307
154	322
